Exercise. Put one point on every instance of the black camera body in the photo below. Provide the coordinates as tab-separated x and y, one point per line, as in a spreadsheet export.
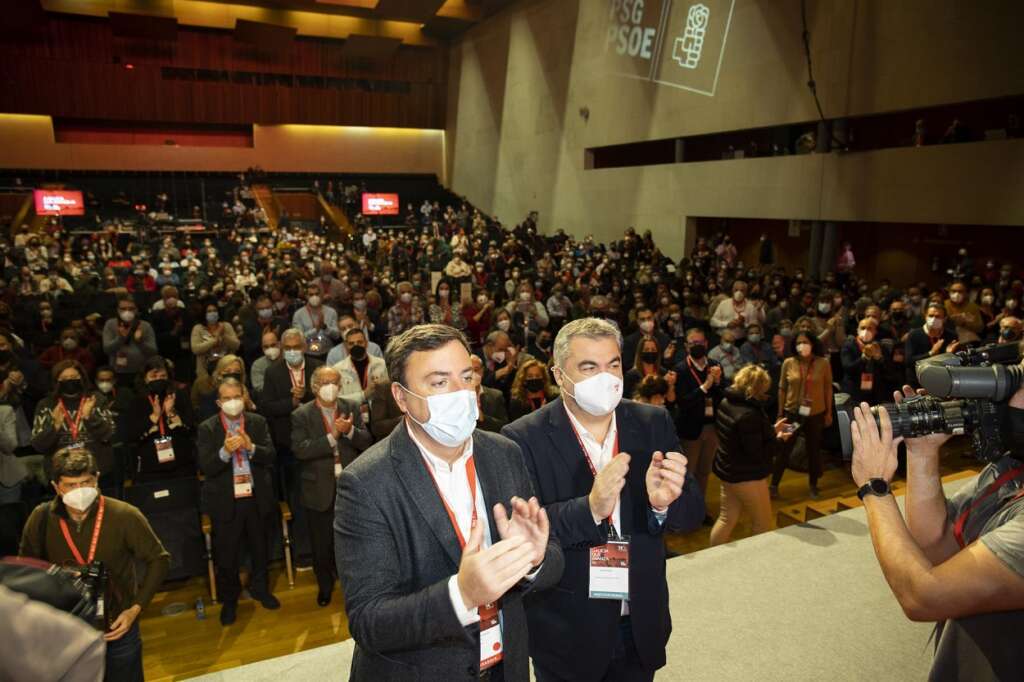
964	391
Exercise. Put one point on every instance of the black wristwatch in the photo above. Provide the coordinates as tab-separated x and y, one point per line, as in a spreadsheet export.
876	486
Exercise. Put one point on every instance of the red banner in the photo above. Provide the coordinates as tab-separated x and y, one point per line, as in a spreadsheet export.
59	202
380	204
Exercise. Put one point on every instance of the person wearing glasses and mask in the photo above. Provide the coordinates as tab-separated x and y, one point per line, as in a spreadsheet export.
327	435
607	471
433	566
80	526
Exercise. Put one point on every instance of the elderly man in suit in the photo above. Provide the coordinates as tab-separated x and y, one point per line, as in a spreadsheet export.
236	455
327	435
492	401
433	568
609	473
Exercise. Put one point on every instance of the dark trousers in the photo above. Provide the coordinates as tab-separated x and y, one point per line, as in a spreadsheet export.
321	537
250	527
625	665
289	471
812	428
124	657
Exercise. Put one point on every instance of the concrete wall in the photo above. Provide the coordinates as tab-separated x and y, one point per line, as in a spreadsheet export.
28	142
516	139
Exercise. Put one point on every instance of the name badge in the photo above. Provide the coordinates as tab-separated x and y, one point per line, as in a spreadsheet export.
709	408
121	360
609	570
491	651
337	468
867	381
804	411
77	445
243	486
164	450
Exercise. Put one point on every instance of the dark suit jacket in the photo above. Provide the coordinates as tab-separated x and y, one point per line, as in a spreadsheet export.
219	486
690	419
492	403
385	414
572	635
316	456
276	399
396	550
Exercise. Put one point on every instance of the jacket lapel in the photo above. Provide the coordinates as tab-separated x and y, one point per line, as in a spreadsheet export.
567	449
488	476
421	489
630	440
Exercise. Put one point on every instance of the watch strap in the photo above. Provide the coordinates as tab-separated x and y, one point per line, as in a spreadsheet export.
872	487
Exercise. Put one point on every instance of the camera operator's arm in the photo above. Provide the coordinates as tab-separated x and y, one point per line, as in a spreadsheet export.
973	581
925	505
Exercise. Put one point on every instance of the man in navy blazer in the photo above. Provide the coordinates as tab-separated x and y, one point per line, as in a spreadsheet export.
603	467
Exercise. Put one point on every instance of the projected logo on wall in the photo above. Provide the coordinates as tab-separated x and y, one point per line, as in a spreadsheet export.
679	43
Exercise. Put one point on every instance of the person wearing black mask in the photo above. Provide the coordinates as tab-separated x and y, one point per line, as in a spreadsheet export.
698	391
531	389
73	414
164	437
540	347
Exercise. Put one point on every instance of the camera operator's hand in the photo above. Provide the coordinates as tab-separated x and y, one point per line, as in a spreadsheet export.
123	623
874	449
923	446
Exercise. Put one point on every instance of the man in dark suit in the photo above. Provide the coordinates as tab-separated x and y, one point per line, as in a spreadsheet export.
286	385
645	329
327	435
236	456
434	576
492	401
609	472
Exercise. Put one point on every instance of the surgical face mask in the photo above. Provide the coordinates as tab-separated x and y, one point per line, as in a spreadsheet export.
754	338
80	499
804	349
738	296
524	296
481	301
212	316
504	325
934	322
598	395
69	343
453	416
987	300
126	315
313	301
1011	304
293	357
443	294
405	297
647	326
233	407
328	393
265	313
105	386
956	297
272	352
866	335
786	332
824	308
498	356
726	346
359	304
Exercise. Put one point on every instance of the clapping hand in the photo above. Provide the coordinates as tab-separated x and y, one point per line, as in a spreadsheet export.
343	424
665	478
486	574
169	404
529	521
234	443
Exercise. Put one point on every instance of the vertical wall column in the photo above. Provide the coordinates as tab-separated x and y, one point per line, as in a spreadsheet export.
814	251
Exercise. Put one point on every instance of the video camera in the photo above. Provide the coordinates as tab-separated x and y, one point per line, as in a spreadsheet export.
975	378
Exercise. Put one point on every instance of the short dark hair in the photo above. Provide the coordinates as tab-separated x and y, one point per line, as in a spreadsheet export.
353	330
72	462
422	337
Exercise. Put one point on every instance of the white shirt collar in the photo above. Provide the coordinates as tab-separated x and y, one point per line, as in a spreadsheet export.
436	462
582	430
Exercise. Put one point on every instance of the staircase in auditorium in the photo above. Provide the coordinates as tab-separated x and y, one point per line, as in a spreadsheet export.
810	510
265	199
336	216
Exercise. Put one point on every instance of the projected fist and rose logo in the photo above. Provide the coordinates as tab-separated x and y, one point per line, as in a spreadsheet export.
678	43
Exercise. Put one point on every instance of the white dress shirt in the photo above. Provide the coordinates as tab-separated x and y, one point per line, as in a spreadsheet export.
600	454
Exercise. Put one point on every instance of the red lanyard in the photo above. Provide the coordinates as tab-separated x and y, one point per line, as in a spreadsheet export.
318	320
693	371
301	381
586	455
161	424
328	425
471	476
95	536
72	425
241	429
961	522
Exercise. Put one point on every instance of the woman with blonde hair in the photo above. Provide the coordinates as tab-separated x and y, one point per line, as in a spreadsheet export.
531	389
746	446
204	390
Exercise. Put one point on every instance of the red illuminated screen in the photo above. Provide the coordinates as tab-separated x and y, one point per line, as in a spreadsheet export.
59	202
380	204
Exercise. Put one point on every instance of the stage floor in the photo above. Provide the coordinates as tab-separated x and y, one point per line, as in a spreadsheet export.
807	602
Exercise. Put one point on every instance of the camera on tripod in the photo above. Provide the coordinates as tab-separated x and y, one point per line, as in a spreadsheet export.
963	391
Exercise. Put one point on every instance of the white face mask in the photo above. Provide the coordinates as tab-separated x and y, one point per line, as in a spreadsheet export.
504	325
126	315
599	395
272	352
738	296
934	322
313	301
498	356
866	335
328	393
80	499
233	407
105	386
453	416
647	326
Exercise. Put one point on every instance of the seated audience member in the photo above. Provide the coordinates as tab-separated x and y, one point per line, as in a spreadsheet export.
164	444
124	540
727	355
531	389
236	456
75	416
68	348
743	460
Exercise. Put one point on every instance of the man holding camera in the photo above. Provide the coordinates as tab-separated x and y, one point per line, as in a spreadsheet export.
80	527
959	562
